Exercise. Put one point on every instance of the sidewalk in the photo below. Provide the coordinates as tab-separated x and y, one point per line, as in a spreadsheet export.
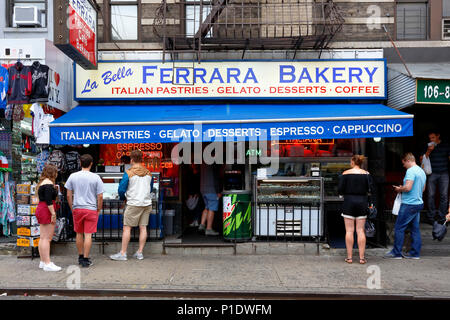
257	267
428	277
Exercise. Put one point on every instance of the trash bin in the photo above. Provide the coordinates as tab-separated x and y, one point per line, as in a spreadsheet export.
168	221
237	215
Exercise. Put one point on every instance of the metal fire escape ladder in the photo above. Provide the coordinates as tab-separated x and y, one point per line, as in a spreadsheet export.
212	18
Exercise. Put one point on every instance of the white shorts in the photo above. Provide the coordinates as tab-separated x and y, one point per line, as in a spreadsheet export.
353	218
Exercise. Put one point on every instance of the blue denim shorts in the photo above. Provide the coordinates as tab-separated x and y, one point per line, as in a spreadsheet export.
211	201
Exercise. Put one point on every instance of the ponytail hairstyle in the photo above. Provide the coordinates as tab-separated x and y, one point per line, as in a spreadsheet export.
49	172
358	160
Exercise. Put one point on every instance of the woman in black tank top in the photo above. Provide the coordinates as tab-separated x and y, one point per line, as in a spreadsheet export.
46	215
354	185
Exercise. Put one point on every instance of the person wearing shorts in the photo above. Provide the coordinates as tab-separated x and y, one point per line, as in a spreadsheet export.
209	188
354	185
46	215
85	198
135	187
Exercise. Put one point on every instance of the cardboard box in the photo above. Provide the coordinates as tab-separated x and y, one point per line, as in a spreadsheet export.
26	210
23	189
27	242
28	231
22	199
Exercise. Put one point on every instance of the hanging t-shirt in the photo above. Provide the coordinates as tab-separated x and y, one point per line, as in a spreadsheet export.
19	86
41	121
4	80
40	82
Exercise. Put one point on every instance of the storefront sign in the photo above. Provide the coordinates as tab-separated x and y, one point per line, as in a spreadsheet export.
433	91
345	129
310	79
75	25
307	141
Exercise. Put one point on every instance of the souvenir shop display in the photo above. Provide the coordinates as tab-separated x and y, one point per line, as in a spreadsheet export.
41	160
20	84
40	82
7	208
29	165
27	225
58	159
4	80
41	121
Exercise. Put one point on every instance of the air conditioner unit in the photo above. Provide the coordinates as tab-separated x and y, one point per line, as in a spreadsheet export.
27	16
446	29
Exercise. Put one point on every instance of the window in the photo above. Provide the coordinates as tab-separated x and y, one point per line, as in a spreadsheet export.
27	13
412	21
124	20
193	21
446	8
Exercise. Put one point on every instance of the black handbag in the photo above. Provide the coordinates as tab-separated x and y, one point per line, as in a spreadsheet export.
369	229
371	209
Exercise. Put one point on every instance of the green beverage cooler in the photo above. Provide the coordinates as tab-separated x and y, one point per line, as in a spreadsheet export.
237	215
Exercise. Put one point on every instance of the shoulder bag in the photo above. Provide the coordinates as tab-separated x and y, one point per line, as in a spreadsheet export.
371	209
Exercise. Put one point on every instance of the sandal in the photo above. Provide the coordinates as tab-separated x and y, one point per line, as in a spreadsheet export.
362	261
348	260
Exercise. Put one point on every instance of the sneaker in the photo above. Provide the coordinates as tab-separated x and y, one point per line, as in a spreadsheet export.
86	263
211	232
201	227
51	267
41	265
390	255
409	256
194	224
138	255
80	260
119	257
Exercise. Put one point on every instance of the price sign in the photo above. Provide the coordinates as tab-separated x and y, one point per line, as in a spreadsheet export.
433	91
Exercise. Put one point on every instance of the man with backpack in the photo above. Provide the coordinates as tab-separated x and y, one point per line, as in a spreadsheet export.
87	189
135	187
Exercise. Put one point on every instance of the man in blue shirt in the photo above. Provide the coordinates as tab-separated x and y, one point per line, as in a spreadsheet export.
409	214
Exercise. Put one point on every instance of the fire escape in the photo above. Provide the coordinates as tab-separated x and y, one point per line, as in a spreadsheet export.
217	25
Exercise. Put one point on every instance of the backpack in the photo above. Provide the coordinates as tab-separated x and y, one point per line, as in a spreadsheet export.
41	159
73	162
58	159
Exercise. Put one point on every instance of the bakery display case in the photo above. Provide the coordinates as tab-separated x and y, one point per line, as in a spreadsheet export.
288	206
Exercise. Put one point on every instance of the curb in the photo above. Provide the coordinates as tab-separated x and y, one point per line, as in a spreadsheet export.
199	294
250	248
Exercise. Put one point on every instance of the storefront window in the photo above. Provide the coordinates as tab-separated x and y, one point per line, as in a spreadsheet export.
317	147
326	158
156	159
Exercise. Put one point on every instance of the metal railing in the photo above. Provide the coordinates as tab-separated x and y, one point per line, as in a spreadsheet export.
110	223
275	222
190	25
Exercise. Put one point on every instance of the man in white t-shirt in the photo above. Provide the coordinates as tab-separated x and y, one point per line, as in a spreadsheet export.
87	189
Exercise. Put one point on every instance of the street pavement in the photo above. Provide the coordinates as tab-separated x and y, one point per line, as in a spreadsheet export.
267	271
428	277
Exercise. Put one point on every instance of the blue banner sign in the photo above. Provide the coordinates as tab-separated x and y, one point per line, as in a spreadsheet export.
231	131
